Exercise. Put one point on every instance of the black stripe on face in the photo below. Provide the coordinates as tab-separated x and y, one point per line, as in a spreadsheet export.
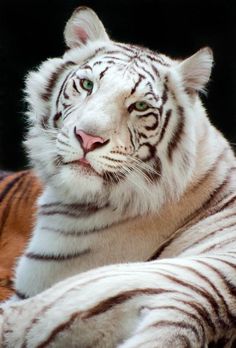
165	125
45	257
154	126
131	138
177	137
152	152
141	77
98	50
56	118
52	80
127	48
164	96
87	66
62	87
158	60
155	96
156	72
103	73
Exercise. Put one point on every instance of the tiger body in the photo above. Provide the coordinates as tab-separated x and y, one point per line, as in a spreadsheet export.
132	171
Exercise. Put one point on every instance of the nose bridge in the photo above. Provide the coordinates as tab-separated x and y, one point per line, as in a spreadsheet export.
99	115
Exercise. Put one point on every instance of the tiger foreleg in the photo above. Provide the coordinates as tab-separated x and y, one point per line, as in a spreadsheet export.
182	302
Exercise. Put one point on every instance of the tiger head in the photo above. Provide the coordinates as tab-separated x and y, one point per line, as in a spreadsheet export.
115	122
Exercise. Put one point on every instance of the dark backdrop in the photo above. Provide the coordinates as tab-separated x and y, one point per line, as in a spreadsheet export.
31	31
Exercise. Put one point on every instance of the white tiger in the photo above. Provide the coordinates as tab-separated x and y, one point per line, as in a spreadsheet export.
133	171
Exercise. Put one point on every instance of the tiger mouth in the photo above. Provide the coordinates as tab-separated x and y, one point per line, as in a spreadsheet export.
84	166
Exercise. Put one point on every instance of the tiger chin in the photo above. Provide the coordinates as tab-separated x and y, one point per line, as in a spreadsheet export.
132	171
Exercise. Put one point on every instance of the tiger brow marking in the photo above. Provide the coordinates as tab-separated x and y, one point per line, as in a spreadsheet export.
122	53
112	58
99	62
75	87
158	60
127	48
155	70
141	77
103	73
144	69
155	96
87	66
98	50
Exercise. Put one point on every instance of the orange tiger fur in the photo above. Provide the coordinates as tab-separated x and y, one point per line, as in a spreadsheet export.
18	194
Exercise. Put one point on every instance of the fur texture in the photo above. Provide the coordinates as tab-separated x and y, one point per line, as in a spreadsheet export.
133	171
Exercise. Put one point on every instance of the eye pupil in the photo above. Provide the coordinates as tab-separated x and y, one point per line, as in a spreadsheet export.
141	106
86	84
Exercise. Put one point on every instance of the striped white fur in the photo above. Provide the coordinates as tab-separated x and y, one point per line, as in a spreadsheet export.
161	186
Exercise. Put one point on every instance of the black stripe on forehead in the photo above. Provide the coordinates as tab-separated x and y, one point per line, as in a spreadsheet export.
141	77
71	73
86	66
102	73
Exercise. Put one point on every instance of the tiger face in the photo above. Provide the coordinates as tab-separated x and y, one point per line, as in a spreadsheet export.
115	122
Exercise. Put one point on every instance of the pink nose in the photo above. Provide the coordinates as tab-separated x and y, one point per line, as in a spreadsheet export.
87	141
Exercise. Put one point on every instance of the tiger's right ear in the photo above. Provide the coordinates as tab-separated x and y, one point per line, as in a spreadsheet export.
84	26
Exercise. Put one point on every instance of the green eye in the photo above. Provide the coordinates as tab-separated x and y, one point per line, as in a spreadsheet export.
86	84
141	106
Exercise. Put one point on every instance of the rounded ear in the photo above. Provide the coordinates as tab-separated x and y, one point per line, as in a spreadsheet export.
196	70
84	26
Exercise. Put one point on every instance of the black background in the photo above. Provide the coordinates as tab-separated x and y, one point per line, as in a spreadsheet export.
31	31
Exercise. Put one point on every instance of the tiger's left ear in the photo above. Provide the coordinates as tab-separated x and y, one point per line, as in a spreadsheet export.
84	26
196	70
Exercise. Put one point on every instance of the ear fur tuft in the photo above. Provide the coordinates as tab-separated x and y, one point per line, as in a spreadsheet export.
84	26
196	70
